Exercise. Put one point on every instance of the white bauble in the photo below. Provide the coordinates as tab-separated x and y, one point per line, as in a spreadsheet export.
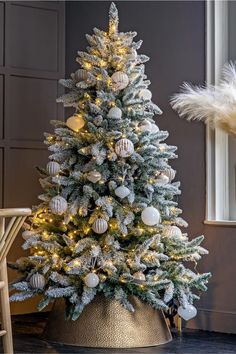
119	80
28	234
58	205
80	75
162	179
94	176
150	216
145	94
124	148
37	281
53	168
100	226
115	113
122	192
75	122
91	280
172	231
146	126
139	276
170	173
187	312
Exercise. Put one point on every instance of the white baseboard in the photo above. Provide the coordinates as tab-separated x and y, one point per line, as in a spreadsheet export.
213	320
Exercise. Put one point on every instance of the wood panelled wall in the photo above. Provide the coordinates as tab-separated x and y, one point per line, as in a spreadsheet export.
31	62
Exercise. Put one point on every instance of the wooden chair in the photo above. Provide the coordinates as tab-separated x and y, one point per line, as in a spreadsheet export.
8	234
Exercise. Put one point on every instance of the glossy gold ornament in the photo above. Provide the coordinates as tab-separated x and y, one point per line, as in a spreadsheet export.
106	324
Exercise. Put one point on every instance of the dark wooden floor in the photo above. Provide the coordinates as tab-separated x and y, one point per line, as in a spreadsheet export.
28	331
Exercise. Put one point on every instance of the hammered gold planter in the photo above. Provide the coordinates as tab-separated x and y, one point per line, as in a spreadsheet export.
106	324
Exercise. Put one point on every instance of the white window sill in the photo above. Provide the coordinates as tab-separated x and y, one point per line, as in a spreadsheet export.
220	222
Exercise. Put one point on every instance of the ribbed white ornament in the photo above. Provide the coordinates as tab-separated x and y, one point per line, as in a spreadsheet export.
80	75
37	281
120	80
122	192
53	168
100	226
94	176
58	205
115	113
162	179
150	216
27	234
124	148
75	122
91	280
172	231
170	173
145	94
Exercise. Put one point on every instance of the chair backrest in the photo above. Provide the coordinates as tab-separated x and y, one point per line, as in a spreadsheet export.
17	217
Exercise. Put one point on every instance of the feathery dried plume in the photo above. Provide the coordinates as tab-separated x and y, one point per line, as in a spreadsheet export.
215	105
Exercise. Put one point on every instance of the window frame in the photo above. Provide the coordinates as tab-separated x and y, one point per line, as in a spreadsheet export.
217	152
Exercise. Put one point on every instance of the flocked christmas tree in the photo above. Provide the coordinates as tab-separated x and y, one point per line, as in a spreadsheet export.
108	220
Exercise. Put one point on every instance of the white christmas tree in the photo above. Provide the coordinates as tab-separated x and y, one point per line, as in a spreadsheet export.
108	221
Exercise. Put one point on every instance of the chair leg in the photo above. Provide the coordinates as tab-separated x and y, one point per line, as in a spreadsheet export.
5	310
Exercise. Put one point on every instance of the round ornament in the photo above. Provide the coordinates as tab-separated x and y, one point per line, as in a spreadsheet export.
53	168
146	126
37	281
139	276
145	94
150	216
80	75
27	234
122	192
75	122
91	280
119	80
94	176
187	312
162	179
58	205
100	226
115	113
172	231
170	173
124	148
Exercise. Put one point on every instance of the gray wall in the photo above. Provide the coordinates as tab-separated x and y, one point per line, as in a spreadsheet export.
173	34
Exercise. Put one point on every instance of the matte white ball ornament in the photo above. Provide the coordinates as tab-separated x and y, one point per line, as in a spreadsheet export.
139	276
150	216
94	176
124	148
170	173
91	280
80	75
37	281
75	122
58	205
162	179
187	312
122	192
172	231
53	168
100	226
145	126
145	94
120	80
28	234
115	113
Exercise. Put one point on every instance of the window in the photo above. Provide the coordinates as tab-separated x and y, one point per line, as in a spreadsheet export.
221	148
